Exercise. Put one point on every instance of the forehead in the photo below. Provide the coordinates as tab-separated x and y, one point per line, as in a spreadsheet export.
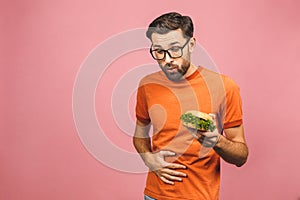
167	39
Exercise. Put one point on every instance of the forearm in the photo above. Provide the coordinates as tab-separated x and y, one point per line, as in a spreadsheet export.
142	145
141	139
232	152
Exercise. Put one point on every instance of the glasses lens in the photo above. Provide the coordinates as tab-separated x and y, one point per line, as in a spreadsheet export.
175	52
158	54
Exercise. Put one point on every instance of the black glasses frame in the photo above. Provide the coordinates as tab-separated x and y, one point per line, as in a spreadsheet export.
167	51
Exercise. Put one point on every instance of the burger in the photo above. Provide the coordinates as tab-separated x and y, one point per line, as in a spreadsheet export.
198	120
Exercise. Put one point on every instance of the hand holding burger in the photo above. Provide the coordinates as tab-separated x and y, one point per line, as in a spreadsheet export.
202	126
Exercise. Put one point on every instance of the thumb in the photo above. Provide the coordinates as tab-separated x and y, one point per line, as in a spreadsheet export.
213	116
167	153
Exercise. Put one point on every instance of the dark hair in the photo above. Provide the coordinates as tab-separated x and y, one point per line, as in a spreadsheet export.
169	22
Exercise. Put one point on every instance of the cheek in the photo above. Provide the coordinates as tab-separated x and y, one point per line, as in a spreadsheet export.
186	57
183	61
160	62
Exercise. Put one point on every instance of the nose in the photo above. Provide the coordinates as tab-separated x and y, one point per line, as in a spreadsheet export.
168	58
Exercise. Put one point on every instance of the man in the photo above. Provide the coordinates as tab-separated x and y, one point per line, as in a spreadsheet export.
185	164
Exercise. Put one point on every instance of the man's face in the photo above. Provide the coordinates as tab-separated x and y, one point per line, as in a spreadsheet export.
174	68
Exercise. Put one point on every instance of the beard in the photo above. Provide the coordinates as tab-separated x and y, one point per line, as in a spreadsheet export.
178	72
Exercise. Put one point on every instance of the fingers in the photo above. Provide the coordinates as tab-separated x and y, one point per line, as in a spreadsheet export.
208	139
173	172
207	143
207	134
175	166
166	180
171	165
169	176
166	171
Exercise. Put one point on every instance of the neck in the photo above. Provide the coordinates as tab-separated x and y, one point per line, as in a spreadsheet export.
191	70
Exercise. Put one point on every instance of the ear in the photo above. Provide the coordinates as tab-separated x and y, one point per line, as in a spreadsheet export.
192	44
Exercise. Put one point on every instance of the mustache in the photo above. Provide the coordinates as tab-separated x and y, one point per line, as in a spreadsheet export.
170	66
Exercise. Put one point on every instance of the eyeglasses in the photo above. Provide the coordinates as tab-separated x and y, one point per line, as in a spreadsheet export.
173	52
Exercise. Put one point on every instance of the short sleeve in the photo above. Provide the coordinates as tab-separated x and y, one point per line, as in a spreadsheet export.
141	105
232	108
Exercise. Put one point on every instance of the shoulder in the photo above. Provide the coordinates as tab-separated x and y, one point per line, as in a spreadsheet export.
227	82
155	77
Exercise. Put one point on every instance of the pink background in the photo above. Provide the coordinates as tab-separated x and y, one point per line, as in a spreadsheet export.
43	44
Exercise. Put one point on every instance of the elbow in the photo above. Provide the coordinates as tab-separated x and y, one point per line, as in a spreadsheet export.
242	160
241	163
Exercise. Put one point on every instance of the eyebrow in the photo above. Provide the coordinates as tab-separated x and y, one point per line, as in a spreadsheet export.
173	43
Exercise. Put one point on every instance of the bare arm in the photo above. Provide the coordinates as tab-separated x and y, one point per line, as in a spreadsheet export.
141	139
232	147
155	161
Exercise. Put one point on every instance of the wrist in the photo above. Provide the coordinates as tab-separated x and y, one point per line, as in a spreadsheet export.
147	157
219	141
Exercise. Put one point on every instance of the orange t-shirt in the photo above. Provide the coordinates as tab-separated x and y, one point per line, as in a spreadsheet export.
162	102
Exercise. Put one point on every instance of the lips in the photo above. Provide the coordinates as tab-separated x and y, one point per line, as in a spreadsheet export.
171	68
